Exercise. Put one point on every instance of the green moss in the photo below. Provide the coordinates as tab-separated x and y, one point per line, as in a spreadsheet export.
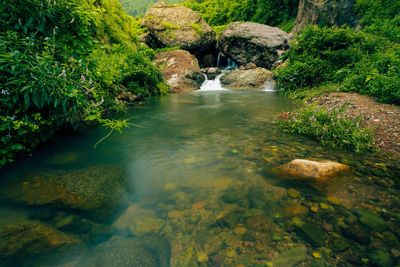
169	26
197	28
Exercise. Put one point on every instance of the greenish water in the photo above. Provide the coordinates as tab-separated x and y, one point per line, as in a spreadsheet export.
199	173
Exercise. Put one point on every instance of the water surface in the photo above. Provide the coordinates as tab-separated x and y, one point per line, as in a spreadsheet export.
199	167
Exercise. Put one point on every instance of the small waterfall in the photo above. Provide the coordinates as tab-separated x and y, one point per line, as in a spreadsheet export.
212	85
269	86
231	65
218	59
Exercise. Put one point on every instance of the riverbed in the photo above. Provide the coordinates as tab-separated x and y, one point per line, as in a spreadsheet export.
198	170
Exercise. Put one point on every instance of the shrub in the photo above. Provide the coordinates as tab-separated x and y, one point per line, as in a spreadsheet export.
332	127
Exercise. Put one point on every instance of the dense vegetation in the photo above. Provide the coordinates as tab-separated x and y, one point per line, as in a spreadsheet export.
365	61
139	7
343	59
64	62
222	12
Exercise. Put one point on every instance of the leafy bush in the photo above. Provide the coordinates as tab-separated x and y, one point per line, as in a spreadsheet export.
222	12
332	127
63	63
358	61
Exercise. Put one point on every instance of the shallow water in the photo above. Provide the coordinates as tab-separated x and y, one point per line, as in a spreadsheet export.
199	167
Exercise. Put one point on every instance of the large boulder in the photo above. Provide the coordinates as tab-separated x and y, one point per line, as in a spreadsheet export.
173	26
33	238
308	169
181	70
96	191
325	13
147	251
252	43
252	79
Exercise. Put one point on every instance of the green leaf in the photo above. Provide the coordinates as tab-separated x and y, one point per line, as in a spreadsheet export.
27	100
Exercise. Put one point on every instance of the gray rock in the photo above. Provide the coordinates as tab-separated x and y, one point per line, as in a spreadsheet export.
251	79
147	251
252	43
173	26
325	13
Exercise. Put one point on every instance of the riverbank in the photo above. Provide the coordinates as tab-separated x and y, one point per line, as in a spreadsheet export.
382	119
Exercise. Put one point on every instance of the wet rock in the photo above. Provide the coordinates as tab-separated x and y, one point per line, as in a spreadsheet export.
291	257
211	73
179	26
293	193
357	234
312	233
230	220
295	210
147	251
233	195
371	220
325	13
32	238
253	79
319	263
307	169
252	43
142	225
380	258
202	257
180	70
259	223
339	245
97	191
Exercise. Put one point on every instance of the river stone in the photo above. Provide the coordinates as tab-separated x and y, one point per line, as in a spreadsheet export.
380	258
211	73
33	238
251	42
291	257
357	234
325	13
142	225
147	251
97	191
179	26
371	220
180	70
259	223
307	169
252	79
312	233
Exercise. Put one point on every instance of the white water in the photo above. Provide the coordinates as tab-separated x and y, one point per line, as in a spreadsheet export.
269	86
212	85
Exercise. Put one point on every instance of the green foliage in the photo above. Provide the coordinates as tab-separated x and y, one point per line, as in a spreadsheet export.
222	12
139	7
360	61
63	62
332	127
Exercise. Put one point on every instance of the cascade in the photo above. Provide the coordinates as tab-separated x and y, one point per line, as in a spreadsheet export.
212	85
231	65
218	59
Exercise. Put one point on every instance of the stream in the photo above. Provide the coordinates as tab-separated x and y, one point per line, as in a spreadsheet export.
200	193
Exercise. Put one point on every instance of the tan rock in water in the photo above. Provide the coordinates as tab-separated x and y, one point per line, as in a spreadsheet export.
307	169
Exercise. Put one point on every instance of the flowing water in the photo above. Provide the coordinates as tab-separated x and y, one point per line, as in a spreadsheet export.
201	193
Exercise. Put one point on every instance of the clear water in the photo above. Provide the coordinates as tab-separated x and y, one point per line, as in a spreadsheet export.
199	165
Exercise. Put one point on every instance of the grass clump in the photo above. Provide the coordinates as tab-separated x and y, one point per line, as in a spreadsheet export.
331	126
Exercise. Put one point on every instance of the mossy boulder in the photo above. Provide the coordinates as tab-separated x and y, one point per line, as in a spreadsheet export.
173	26
96	191
33	238
146	251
